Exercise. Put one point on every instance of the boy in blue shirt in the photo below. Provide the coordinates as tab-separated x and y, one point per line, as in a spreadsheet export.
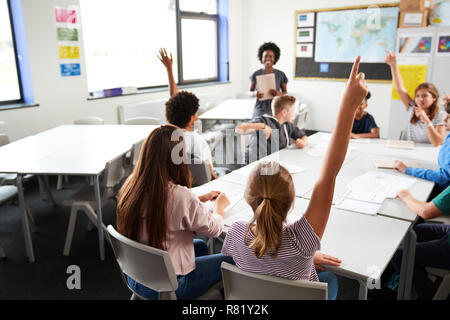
364	125
440	177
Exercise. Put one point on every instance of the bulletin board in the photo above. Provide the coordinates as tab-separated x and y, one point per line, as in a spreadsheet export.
327	41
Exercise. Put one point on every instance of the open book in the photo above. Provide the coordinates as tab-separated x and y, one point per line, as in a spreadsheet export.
401	144
264	83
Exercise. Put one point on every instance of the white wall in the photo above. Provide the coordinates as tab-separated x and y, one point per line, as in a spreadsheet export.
61	100
268	20
251	23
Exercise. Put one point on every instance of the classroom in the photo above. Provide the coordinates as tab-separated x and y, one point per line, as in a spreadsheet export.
87	86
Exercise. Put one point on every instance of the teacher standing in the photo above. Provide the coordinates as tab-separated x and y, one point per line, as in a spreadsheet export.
268	55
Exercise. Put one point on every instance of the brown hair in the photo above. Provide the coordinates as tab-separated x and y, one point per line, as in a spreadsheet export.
146	189
282	102
270	193
434	108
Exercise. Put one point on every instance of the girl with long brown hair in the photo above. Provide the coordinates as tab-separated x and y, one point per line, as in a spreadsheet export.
156	207
426	119
267	244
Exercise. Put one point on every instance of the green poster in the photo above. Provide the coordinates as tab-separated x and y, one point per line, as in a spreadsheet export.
67	34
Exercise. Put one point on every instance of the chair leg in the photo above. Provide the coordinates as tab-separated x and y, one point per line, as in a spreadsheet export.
2	253
444	289
59	183
31	220
93	221
70	230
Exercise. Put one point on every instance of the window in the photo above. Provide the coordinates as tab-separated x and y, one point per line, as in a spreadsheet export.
10	89
122	39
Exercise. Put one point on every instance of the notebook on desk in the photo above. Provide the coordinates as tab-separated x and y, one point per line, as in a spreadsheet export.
390	163
401	144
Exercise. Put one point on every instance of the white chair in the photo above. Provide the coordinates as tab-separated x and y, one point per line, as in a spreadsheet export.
142	121
132	157
84	199
243	285
89	120
300	118
444	288
200	171
149	266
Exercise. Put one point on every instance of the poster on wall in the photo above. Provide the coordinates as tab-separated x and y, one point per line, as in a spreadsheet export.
304	50
67	35
413	72
305	19
415	45
305	35
443	45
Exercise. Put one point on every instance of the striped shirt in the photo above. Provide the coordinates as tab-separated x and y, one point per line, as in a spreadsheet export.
295	255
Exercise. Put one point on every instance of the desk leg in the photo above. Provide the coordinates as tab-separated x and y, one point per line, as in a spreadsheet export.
98	204
406	271
46	185
25	224
362	289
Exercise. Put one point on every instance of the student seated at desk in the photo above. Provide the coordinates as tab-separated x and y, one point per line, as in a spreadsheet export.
266	244
157	208
182	111
364	125
426	119
283	109
433	246
441	176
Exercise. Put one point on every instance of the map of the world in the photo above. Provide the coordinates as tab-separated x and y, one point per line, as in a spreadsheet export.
343	35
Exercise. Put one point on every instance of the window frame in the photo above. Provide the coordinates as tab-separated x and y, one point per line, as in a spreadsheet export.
16	59
195	16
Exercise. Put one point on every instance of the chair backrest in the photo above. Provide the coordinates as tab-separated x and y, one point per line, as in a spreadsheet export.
300	119
7	193
149	266
136	151
200	171
89	120
114	172
142	121
4	139
243	285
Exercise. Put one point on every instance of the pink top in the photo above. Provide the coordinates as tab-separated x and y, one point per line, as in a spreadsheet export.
295	255
186	214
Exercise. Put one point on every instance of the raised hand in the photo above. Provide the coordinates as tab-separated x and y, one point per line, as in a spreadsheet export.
164	58
356	88
390	59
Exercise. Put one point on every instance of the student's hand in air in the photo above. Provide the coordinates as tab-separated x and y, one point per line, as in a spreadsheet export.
164	58
210	196
222	201
400	166
320	258
403	194
356	88
390	59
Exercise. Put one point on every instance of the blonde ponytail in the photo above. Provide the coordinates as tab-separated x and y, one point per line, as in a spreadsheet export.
271	197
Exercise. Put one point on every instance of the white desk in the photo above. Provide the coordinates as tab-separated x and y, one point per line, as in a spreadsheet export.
364	243
69	150
232	109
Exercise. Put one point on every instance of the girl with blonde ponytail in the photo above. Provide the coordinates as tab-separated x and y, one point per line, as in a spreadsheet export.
267	244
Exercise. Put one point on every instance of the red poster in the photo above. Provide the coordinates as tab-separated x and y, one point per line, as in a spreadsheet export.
65	15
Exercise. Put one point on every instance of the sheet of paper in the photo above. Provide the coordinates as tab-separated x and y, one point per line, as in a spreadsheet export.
265	83
234	199
320	149
390	163
293	169
358	206
374	186
401	144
